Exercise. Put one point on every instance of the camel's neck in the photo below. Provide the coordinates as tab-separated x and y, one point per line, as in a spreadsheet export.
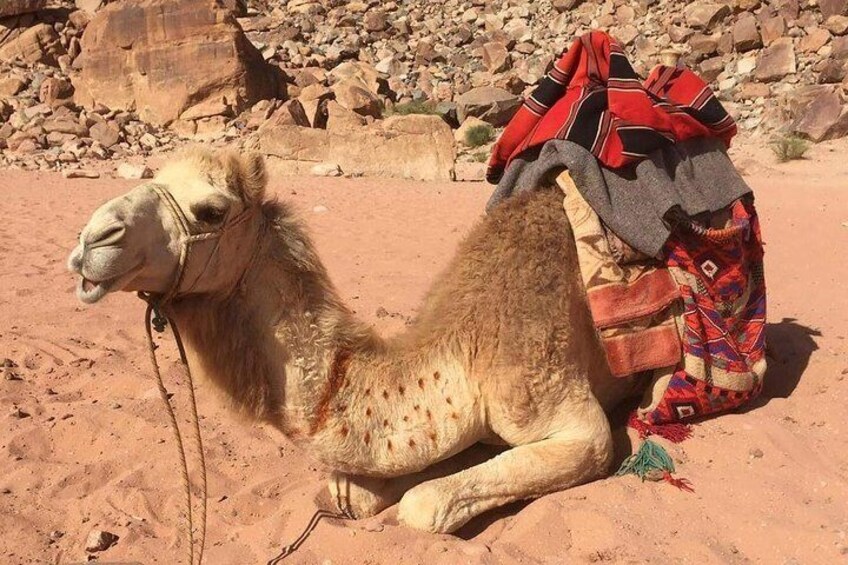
270	347
286	351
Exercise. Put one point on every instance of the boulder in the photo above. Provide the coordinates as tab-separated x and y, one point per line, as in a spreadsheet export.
18	7
837	25
489	103
495	57
363	72
704	15
55	90
709	69
105	133
776	61
824	118
815	39
833	7
839	48
532	69
566	5
414	147
679	34
703	45
171	59
314	99
10	86
37	44
772	29
65	124
833	71
375	21
97	540
133	172
340	118
746	36
291	113
354	95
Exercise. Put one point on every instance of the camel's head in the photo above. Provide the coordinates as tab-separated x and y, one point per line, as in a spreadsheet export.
140	241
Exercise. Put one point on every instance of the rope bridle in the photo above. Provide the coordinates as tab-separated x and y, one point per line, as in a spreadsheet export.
155	319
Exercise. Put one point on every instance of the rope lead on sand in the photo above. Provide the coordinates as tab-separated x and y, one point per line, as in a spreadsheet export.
155	320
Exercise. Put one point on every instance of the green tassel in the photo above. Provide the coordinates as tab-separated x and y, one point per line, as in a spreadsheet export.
653	463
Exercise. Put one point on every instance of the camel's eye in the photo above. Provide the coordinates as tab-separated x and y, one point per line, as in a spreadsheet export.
209	214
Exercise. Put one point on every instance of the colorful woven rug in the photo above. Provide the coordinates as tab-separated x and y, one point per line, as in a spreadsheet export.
694	319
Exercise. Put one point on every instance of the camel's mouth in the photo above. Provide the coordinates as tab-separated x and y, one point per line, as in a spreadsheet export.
91	291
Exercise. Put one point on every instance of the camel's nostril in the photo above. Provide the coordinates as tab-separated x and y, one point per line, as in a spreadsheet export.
109	235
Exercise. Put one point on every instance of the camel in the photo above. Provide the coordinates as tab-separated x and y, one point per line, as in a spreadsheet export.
502	352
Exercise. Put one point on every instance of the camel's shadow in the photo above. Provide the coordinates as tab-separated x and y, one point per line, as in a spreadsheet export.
790	346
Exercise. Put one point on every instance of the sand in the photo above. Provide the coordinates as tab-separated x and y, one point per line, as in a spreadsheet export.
85	443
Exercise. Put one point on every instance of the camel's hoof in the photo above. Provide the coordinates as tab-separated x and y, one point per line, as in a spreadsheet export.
426	508
352	500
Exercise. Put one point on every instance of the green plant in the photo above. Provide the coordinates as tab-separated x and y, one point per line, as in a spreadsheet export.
479	135
789	148
414	107
480	157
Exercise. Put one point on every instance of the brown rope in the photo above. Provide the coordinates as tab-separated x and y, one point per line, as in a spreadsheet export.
159	322
313	523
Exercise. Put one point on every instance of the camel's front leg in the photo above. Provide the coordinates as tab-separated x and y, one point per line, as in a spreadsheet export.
363	497
573	456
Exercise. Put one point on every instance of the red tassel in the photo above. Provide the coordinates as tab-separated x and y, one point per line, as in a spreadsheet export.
675	433
682	484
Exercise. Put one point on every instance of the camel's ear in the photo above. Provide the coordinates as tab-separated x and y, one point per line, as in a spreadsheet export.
247	175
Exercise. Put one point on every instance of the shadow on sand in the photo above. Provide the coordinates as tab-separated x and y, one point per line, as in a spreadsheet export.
789	348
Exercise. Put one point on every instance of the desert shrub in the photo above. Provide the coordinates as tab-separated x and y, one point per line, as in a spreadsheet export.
480	157
789	148
480	135
414	107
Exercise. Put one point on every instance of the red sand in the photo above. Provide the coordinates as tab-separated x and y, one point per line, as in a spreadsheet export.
95	450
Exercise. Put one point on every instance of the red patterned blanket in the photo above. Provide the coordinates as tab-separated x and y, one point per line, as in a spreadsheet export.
593	97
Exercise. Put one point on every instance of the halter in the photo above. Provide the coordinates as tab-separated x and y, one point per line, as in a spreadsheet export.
188	239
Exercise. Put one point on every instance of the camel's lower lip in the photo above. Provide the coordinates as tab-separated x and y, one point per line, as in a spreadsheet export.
90	291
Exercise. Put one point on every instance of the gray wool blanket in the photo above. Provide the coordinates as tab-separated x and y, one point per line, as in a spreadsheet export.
696	175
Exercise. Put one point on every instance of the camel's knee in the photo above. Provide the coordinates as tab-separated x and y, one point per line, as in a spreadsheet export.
588	439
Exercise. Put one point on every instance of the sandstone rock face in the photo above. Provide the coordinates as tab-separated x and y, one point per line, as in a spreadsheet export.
491	104
412	147
37	44
171	59
18	7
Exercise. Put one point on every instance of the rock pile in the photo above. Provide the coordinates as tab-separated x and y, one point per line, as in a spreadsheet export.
310	81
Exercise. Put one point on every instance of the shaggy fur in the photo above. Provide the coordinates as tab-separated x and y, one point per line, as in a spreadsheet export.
502	351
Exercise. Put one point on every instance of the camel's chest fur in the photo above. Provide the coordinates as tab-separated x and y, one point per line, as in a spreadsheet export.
390	418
